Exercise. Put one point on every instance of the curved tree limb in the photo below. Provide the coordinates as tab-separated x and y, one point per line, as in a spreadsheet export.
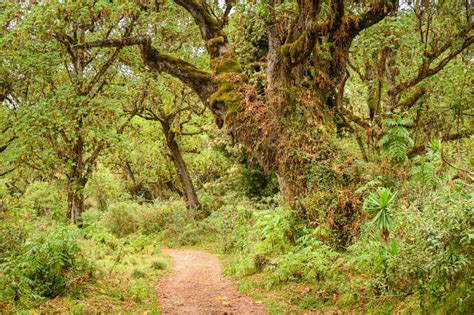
426	71
198	80
207	22
375	14
5	146
418	150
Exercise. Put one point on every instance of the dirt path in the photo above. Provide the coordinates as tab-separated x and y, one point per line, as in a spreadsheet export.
196	286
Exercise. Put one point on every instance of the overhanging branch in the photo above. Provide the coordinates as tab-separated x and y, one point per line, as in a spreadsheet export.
377	12
418	150
199	81
426	71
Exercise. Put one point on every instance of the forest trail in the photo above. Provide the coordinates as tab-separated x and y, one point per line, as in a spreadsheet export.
196	286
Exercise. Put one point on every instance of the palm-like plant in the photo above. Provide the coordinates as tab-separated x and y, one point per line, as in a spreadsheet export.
378	204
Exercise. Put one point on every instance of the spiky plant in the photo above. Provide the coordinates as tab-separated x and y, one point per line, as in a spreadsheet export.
378	204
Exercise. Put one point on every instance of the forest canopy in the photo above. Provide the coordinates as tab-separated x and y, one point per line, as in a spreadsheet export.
323	146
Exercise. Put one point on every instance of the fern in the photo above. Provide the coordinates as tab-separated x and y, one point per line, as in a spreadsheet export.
370	184
396	139
426	167
43	268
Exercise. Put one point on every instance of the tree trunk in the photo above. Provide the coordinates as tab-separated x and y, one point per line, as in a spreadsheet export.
138	188
190	195
75	202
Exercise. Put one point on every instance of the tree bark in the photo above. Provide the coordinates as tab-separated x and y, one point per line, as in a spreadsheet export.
77	179
75	201
265	123
192	201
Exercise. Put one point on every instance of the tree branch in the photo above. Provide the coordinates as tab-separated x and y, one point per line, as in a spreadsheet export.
375	14
104	43
411	100
5	146
208	24
418	150
303	33
199	81
7	172
426	71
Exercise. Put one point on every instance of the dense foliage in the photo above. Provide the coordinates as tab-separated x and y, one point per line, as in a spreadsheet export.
322	147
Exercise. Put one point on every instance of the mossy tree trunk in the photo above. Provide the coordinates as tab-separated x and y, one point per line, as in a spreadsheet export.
304	65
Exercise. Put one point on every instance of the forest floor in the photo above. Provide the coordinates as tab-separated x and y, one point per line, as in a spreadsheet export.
196	285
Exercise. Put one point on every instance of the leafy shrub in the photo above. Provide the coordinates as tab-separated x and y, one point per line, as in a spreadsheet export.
273	230
164	215
136	274
260	261
309	260
4	194
255	183
396	138
12	234
104	189
430	256
44	268
138	291
45	199
122	218
425	169
171	220
232	224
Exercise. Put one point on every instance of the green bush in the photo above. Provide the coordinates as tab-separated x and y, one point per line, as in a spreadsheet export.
159	264
122	218
309	260
273	230
171	220
157	217
232	225
430	254
45	267
45	199
12	234
93	229
104	188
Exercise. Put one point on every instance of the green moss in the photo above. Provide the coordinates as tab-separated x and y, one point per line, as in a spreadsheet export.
293	49
210	20
215	41
225	95
177	63
372	100
285	50
229	66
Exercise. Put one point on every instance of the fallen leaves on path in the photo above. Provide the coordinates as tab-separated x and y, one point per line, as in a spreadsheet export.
196	286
